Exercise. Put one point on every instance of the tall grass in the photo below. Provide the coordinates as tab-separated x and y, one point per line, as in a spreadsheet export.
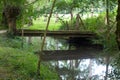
40	24
21	64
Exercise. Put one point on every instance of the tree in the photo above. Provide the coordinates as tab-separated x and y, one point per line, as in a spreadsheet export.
16	13
118	25
67	5
10	13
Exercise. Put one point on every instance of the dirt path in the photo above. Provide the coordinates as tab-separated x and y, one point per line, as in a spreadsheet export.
3	31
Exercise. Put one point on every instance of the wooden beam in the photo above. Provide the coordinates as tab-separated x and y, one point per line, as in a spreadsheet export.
70	33
82	53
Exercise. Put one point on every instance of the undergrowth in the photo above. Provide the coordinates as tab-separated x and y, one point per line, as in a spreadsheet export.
21	64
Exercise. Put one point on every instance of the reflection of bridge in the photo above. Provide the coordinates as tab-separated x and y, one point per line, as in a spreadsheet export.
82	41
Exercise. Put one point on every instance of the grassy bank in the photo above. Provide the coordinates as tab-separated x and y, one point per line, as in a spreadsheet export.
40	24
19	64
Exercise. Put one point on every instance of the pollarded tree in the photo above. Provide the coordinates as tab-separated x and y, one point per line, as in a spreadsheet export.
17	11
10	10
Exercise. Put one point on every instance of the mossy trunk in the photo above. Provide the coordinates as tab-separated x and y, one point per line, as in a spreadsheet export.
4	21
11	24
118	25
11	13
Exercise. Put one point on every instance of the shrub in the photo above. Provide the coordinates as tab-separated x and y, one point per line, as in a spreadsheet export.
22	65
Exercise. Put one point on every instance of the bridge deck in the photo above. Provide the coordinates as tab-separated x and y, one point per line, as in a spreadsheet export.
68	33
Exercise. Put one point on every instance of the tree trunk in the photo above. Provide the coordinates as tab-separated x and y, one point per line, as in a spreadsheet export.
29	40
118	25
77	22
92	10
71	22
11	24
11	13
57	17
71	14
4	20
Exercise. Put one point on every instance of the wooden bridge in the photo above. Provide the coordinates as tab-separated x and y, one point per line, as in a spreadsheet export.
68	33
82	41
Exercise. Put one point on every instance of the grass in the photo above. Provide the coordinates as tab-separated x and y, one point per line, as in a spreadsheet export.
40	24
20	64
17	62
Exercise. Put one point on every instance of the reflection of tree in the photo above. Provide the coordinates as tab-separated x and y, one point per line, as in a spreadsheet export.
30	23
72	69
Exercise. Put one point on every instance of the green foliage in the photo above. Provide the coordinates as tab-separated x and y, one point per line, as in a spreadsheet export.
115	72
23	64
67	5
20	63
27	10
40	24
67	25
110	44
51	74
90	24
10	42
94	23
13	2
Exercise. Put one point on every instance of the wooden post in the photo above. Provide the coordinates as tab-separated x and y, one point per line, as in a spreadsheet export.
44	38
79	22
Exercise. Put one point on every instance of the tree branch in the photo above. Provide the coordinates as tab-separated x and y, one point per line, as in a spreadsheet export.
31	3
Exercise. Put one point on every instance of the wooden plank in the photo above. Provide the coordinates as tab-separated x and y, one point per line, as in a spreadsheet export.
69	33
82	53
